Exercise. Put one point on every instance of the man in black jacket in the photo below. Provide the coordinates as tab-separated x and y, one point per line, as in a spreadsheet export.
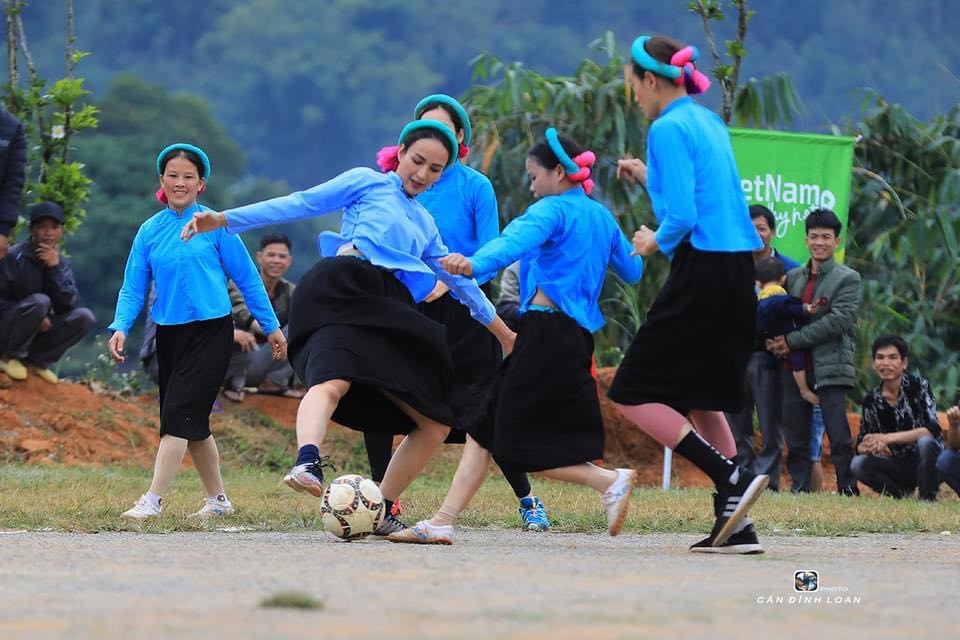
39	319
13	161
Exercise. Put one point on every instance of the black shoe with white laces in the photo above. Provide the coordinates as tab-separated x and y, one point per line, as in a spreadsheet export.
390	524
731	506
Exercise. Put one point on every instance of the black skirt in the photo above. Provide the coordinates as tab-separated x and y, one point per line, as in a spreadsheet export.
547	413
476	357
192	359
351	320
692	350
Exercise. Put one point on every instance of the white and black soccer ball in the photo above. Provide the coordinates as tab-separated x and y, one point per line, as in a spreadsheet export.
351	507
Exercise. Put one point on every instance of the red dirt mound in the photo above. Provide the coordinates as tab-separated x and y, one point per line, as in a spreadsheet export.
75	424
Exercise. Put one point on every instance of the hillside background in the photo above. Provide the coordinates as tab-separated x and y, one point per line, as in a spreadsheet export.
285	93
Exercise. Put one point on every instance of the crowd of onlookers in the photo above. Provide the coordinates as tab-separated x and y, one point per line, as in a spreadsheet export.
807	324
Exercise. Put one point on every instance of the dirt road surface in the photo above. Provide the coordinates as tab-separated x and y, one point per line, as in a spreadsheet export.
490	584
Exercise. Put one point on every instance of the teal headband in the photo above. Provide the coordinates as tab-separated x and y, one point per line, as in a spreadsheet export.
186	147
565	160
436	126
648	62
442	98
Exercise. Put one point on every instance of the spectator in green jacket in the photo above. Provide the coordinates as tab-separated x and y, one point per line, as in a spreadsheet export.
252	363
831	339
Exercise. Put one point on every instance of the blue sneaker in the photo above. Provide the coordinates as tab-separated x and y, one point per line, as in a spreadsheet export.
533	514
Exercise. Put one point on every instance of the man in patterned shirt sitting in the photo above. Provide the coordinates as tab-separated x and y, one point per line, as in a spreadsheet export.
900	436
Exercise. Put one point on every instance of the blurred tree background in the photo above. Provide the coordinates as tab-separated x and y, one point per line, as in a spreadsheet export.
286	93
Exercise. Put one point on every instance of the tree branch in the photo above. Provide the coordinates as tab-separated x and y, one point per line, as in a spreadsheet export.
741	6
10	28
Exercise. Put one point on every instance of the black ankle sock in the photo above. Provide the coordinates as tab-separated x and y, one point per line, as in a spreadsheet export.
519	482
701	453
308	454
387	507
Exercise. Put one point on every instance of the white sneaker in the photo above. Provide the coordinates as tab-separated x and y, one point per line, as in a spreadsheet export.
143	510
617	499
216	507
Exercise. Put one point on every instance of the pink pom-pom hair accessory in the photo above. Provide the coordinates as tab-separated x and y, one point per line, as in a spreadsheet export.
684	59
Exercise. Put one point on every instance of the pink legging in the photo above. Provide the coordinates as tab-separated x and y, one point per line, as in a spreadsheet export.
665	425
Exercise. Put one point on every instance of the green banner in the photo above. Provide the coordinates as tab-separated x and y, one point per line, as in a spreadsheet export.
792	174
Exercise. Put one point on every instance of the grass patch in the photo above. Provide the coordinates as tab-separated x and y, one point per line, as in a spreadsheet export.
91	499
292	600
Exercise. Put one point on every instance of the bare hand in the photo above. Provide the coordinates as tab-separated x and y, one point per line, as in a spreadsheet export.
507	343
203	222
632	170
874	444
439	290
48	254
4	245
116	343
278	344
953	417
457	264
644	242
245	340
45	325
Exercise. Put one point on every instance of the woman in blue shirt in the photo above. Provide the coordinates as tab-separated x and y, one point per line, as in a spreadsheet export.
464	206
369	359
194	328
686	364
547	415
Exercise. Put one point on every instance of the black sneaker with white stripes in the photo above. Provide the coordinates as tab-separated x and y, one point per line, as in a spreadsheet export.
743	542
731	506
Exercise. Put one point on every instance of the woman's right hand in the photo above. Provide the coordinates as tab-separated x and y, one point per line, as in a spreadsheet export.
202	222
632	170
116	343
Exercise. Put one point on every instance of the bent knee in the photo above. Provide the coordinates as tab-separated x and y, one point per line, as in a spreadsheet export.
331	390
36	304
857	464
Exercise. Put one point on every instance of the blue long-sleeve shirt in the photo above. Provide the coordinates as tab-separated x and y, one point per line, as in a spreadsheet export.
464	206
390	228
694	184
191	277
565	243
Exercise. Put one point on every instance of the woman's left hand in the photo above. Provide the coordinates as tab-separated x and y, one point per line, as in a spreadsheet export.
457	264
202	222
278	345
439	290
645	242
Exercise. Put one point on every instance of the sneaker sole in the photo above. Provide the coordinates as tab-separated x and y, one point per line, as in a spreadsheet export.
535	527
418	540
130	516
740	549
614	527
749	497
299	487
208	516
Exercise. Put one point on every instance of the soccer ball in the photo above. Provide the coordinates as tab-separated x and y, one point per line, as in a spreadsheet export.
352	507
